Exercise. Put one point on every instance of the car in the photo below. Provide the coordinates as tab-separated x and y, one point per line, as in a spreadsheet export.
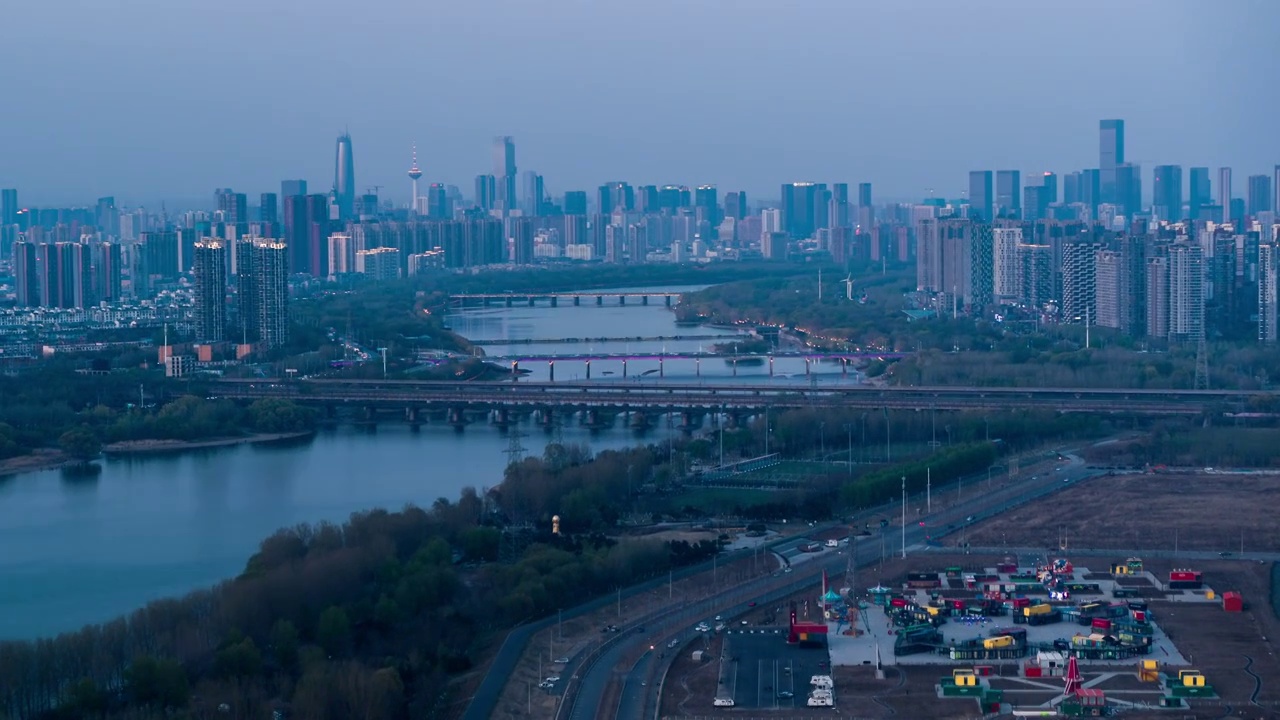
561	660
785	694
674	642
751	604
744	622
1225	554
553	679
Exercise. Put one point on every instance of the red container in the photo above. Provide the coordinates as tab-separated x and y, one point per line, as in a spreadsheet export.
1101	624
1006	568
898	602
1184	576
1141	615
982	670
1021	602
1034	671
1232	602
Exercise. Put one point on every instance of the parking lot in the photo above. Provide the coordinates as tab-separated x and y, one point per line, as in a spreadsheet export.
760	665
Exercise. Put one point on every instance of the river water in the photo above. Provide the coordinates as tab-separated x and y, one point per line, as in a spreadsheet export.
75	550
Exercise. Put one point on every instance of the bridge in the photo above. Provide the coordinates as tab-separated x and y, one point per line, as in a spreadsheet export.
554	299
615	340
659	397
811	359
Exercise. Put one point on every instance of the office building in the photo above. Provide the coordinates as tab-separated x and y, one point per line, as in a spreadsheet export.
980	198
486	192
1275	186
269	208
1224	192
1091	190
735	205
344	178
289	188
1201	194
1128	189
532	201
1166	192
232	207
210	312
798	203
1259	195
1071	187
1110	156
438	205
504	171
575	202
306	231
1008	201
9	206
262	291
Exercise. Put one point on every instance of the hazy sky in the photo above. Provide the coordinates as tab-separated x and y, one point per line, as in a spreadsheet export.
151	99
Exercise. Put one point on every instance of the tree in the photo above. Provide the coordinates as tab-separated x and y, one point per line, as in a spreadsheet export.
284	643
80	443
149	681
334	631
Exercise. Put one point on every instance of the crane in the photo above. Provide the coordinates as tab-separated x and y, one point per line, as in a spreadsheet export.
373	190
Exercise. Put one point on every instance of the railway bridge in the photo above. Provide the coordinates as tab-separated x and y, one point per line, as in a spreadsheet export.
500	400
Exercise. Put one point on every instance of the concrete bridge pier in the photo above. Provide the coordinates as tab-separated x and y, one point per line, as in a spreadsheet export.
551	370
555	301
639	421
844	367
734	421
770	366
622	299
697	367
515	368
577	300
485	302
668	299
661	369
691	420
591	418
624	368
546	417
329	411
588	369
370	413
644	300
599	300
807	369
502	417
530	301
411	415
456	417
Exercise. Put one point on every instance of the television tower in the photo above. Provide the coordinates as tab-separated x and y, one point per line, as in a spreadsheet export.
414	174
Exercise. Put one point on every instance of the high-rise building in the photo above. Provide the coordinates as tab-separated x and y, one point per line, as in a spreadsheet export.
1129	189
1186	292
262	291
798	203
1201	193
615	196
1035	275
1157	292
735	205
1004	270
269	208
1108	268
438	205
532	200
1275	185
575	202
1166	192
107	276
232	206
26	274
1071	188
306	230
706	203
8	206
344	178
504	169
381	263
1259	194
1268	272
1079	281
1110	156
209	269
1008	193
289	188
342	255
1224	191
486	192
1091	189
158	261
980	199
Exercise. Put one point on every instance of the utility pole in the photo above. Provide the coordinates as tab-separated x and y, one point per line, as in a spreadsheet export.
928	489
888	445
722	420
904	517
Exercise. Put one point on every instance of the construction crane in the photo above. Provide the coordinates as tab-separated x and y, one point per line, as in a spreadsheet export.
374	189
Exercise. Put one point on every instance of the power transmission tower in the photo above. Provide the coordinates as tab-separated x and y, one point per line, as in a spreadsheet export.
1202	366
514	451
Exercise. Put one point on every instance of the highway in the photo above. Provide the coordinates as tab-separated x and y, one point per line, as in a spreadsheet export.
665	396
638	699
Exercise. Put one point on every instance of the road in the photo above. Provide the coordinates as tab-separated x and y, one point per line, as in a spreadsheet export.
639	697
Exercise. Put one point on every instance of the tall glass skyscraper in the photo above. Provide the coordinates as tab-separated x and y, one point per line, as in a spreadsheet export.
344	178
1201	193
1166	192
504	169
1110	156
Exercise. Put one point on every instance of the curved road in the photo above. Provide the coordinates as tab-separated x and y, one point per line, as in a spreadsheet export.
639	695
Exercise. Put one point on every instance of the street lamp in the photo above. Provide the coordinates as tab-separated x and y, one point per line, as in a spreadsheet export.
384	362
904	517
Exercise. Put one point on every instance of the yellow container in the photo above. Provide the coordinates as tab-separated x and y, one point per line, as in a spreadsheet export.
961	671
967	681
1208	595
1193	681
1184	673
997	642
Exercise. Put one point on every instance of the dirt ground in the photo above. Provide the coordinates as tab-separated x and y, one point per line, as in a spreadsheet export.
1203	512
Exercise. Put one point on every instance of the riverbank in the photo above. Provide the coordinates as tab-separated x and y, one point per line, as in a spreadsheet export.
145	447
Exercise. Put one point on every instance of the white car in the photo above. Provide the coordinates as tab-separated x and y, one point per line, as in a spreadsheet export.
723	702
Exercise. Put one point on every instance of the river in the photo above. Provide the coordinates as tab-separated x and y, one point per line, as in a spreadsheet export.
75	550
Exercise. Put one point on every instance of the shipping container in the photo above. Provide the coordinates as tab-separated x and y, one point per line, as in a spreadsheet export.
1232	602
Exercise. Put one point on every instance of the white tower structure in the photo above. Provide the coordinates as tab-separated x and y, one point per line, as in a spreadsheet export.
414	174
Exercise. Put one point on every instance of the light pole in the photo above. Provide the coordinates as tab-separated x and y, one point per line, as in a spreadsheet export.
904	517
888	444
849	428
722	421
384	362
864	437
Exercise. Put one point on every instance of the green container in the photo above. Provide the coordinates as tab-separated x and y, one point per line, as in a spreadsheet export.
993	696
1184	691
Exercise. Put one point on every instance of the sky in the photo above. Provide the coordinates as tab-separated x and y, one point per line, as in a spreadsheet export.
151	100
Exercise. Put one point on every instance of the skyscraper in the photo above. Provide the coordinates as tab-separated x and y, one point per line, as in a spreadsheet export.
1201	193
504	169
8	206
306	232
289	188
1224	192
1110	155
486	192
735	205
269	208
531	203
1079	282
1166	192
344	178
1186	292
1259	194
575	202
26	275
233	206
1091	189
798	203
864	194
1008	193
1268	272
1128	189
209	269
980	200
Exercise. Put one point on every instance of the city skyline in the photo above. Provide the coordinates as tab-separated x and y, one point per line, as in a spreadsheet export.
580	121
